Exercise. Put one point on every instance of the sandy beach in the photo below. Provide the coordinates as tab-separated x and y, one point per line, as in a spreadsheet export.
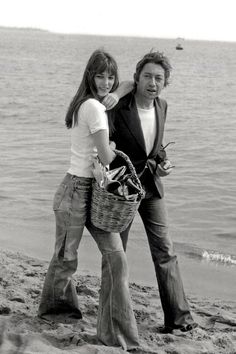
21	280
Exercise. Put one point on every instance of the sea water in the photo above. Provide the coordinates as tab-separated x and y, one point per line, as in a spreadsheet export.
40	73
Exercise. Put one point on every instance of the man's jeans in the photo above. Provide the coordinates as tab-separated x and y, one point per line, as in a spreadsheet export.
175	306
116	323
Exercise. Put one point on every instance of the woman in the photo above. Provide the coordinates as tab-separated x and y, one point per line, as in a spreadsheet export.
87	118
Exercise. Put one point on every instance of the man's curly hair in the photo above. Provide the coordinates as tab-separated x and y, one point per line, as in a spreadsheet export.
155	58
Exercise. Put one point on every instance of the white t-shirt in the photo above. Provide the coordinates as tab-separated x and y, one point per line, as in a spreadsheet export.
92	117
148	123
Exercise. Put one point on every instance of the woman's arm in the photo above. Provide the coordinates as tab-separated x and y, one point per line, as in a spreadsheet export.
101	141
113	98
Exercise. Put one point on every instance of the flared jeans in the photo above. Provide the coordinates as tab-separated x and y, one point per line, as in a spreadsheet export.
116	324
174	303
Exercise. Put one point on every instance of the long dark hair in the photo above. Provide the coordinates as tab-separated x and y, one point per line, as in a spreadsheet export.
99	62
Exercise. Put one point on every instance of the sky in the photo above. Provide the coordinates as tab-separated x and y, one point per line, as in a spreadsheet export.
188	19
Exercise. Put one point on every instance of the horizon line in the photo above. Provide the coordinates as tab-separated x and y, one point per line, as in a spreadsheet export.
27	28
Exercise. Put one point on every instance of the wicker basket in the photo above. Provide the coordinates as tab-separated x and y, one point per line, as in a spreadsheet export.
110	212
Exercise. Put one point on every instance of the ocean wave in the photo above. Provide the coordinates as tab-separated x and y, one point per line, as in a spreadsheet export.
219	257
205	254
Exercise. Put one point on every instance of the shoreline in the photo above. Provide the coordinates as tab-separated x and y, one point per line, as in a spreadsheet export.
21	281
200	277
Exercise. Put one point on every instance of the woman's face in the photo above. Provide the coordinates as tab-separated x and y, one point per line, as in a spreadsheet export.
104	83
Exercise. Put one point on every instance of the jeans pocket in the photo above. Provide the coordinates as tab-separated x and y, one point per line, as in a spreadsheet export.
60	193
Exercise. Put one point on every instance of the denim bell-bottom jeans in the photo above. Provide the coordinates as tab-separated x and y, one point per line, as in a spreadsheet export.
116	324
174	303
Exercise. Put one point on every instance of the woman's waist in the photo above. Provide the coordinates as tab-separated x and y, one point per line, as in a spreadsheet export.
83	179
83	170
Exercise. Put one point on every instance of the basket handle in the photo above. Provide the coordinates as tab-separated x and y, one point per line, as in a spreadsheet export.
132	169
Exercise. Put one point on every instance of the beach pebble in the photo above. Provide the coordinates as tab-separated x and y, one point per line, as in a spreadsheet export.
35	291
31	273
17	298
5	310
4	283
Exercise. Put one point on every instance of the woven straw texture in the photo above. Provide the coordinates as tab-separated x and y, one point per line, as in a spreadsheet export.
110	212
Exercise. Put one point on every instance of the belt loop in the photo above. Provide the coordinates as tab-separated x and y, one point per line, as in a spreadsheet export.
74	182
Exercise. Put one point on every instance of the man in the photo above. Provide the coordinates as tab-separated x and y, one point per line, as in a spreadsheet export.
137	128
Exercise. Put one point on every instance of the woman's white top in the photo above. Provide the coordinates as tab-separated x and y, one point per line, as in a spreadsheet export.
92	117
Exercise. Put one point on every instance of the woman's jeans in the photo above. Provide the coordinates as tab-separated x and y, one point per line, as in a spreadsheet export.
116	324
174	303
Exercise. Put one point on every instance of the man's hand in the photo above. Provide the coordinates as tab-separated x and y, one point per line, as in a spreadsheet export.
110	100
164	168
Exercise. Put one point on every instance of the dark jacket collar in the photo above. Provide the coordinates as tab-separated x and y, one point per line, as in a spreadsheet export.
128	101
132	121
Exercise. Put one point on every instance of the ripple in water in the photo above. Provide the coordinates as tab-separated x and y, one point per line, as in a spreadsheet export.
219	257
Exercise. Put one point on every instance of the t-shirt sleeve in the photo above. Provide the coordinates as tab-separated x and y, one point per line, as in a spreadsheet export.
95	115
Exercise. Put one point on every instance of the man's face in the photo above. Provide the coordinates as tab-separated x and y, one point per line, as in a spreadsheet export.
151	81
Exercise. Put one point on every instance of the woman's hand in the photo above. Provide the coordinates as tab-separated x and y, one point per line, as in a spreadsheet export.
113	98
112	145
110	100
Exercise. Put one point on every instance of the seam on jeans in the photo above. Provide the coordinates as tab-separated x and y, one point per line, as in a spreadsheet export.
111	297
54	295
61	251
